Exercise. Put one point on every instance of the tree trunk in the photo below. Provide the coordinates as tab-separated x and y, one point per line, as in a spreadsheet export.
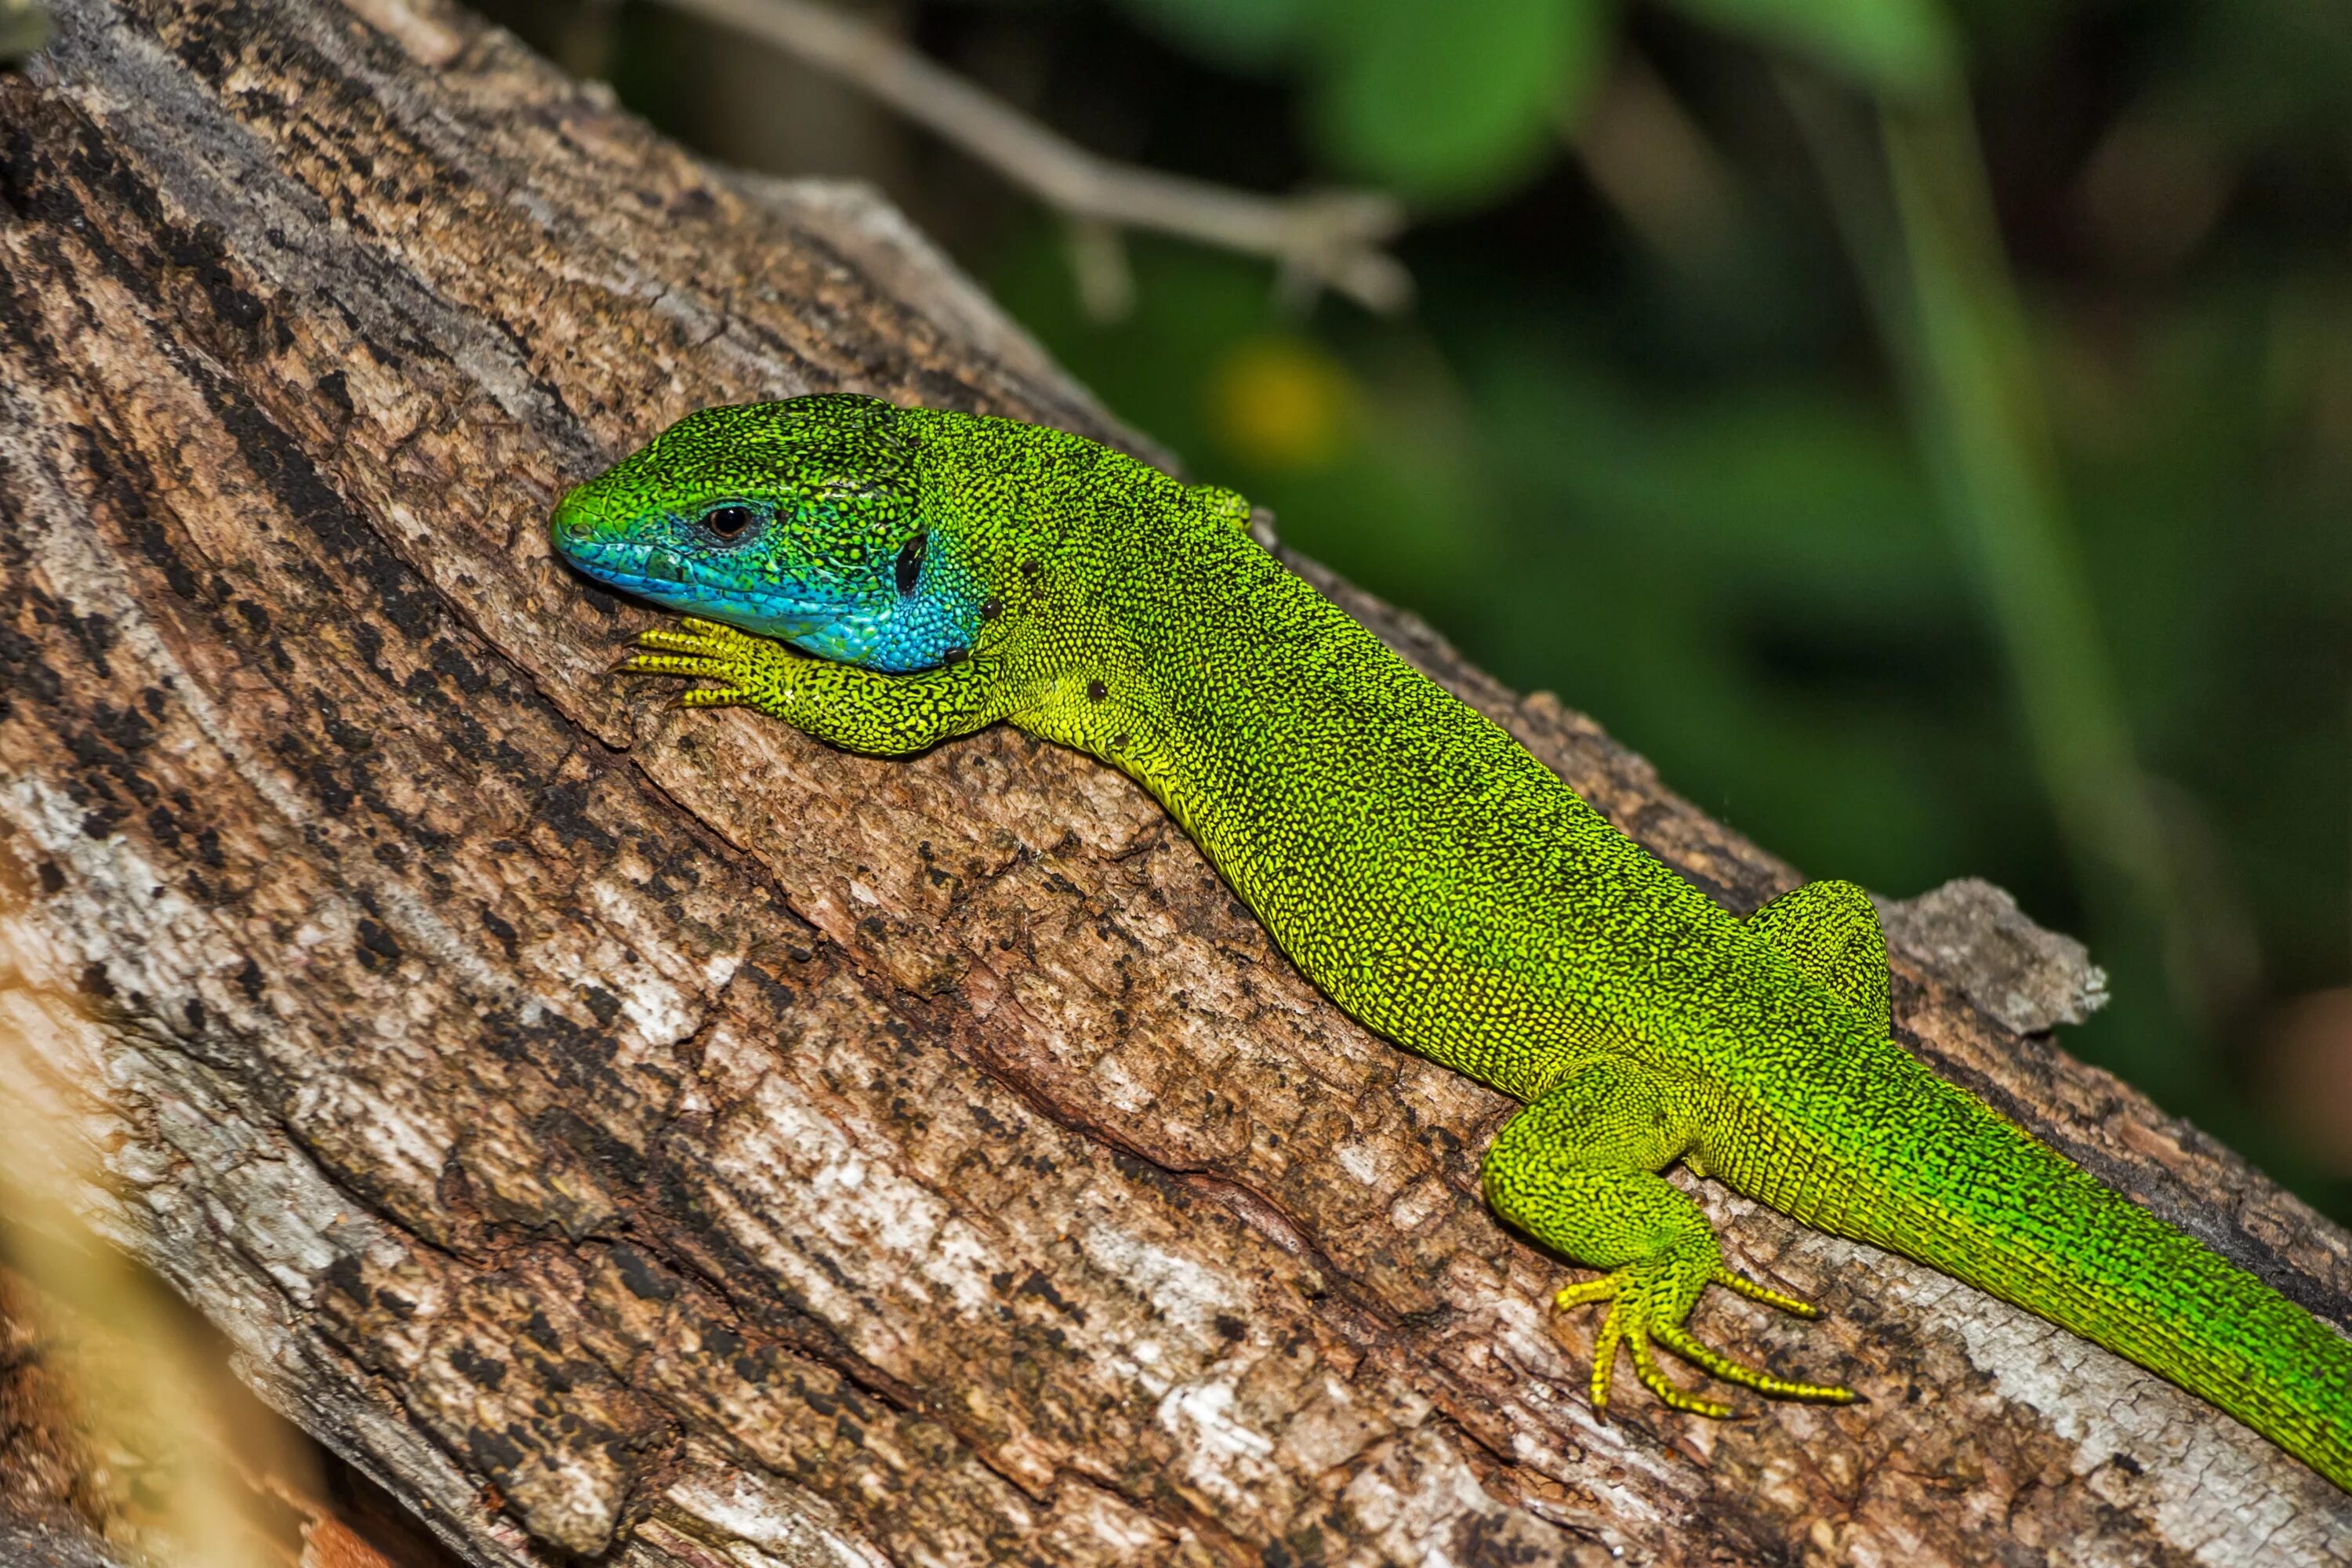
657	1135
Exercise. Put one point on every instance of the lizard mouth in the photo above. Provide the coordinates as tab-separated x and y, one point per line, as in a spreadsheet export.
651	572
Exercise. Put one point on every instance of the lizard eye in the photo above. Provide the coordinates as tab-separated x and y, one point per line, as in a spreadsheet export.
730	524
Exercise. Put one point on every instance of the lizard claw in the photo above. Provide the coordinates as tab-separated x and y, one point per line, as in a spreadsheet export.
1756	1290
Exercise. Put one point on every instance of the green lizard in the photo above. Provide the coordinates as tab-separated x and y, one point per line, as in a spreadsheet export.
1424	870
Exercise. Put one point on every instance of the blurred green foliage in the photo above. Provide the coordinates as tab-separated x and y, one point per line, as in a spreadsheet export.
1439	102
1445	100
1650	440
1895	47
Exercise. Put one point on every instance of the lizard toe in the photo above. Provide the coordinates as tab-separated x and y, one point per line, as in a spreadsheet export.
716	631
1654	1379
1756	1290
695	665
1727	1369
666	640
1585	1292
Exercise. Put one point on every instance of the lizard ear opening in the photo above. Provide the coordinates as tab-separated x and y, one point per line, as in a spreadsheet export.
910	564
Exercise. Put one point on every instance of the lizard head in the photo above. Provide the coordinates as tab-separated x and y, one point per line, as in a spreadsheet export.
801	519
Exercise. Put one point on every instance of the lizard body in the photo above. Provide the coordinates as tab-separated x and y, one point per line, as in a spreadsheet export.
1420	867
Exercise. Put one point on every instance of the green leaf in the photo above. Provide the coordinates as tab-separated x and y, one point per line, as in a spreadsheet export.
1245	33
1897	47
1452	98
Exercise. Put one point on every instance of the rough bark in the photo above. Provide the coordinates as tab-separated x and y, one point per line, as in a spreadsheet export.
655	1135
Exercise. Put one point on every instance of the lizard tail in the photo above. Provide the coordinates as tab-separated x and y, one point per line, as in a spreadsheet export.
2013	1217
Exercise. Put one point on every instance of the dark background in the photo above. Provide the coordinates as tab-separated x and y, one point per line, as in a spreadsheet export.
1669	428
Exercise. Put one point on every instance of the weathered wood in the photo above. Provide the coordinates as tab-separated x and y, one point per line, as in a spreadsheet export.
626	1132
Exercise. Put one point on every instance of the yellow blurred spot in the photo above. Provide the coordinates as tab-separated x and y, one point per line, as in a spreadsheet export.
1280	403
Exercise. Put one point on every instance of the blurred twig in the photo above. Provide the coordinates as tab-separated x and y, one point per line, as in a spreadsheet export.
1644	153
1329	239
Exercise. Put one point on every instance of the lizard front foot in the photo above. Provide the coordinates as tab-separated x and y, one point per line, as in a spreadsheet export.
751	671
870	712
1639	1317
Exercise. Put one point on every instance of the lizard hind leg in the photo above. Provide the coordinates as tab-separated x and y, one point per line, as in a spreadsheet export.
1830	931
1576	1170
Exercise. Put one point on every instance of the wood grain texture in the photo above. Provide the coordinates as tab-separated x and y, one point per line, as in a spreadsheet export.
662	1139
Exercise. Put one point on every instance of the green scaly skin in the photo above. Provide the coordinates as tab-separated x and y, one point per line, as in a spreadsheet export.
1419	865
